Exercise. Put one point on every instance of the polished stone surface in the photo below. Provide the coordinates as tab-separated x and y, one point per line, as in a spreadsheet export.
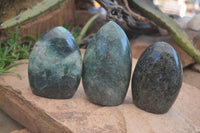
107	66
157	78
55	65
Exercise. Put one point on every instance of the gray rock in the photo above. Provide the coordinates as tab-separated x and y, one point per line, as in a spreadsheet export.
107	66
194	23
55	65
182	22
157	78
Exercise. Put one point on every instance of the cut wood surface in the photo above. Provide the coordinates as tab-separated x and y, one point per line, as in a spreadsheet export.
57	16
42	115
30	13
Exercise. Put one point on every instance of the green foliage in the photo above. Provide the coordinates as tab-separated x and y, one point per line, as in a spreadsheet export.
85	29
31	13
29	37
149	10
76	31
13	49
80	34
73	28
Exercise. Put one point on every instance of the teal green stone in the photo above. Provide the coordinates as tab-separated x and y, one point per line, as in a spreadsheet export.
107	66
55	65
157	78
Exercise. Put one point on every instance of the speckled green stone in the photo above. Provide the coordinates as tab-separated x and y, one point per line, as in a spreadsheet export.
55	65
157	78
107	66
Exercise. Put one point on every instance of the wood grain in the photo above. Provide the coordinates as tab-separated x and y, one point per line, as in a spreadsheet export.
57	16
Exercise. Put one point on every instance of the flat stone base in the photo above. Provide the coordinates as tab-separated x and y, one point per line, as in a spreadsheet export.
43	115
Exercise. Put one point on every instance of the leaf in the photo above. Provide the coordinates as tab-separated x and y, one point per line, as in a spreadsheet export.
89	23
5	71
14	65
39	9
150	11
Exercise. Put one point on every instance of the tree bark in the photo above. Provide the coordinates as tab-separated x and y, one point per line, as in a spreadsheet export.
126	18
118	14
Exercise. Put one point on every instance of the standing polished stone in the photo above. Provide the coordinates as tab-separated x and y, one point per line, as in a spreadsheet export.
107	66
55	65
157	78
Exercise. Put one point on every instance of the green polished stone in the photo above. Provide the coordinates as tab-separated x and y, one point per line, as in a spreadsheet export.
55	65
107	66
157	78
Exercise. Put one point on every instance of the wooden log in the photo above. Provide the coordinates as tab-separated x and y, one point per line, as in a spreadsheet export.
57	16
42	115
21	131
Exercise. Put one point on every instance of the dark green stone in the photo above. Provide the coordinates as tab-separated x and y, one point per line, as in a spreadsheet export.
55	65
157	78
107	66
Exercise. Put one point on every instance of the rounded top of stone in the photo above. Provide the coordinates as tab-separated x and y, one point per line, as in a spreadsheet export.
112	24
165	48
113	31
57	32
